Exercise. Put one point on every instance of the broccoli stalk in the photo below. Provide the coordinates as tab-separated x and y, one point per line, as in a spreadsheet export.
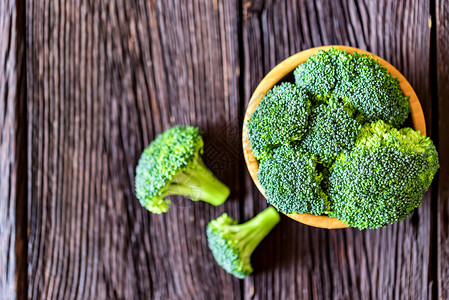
198	183
251	233
232	244
172	165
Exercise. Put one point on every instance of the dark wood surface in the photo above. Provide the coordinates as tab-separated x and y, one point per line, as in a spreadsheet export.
442	96
86	85
13	128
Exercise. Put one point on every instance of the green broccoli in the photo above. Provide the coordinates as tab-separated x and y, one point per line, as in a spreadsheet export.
383	178
280	118
331	130
317	75
232	244
359	81
172	165
375	93
292	182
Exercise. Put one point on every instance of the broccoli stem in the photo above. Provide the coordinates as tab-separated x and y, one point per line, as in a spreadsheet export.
255	230
197	182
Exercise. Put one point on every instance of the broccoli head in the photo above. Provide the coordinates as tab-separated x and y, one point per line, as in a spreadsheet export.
374	92
172	165
317	75
280	118
359	81
292	182
232	244
383	178
331	130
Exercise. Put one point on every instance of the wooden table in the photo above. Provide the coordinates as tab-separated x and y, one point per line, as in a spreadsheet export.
86	85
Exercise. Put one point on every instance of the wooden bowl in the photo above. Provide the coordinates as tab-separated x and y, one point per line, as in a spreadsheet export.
285	68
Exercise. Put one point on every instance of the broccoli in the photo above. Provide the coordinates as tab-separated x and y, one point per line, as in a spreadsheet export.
317	75
357	80
280	117
375	93
346	158
172	165
383	178
331	130
232	244
292	182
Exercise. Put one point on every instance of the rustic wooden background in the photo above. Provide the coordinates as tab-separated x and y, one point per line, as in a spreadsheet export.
86	85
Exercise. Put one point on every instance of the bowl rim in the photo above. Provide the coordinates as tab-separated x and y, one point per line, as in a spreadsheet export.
280	71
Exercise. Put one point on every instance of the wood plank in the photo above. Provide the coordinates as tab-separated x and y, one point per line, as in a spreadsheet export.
12	154
297	261
104	77
442	69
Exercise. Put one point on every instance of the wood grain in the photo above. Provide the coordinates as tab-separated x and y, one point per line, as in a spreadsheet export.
12	159
104	77
389	263
442	64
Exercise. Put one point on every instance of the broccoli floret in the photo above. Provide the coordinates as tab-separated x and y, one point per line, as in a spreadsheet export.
374	92
383	178
292	182
280	117
317	75
331	130
343	63
232	244
359	81
172	165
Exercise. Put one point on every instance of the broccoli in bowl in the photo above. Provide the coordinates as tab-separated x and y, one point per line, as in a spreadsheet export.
332	170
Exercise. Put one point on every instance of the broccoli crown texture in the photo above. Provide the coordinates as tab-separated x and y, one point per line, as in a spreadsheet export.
331	145
383	178
317	75
172	165
356	79
331	130
280	118
375	93
232	244
292	182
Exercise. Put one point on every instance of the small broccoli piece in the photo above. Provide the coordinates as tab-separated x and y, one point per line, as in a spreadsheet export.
359	81
232	244
331	130
280	118
172	165
292	182
383	178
